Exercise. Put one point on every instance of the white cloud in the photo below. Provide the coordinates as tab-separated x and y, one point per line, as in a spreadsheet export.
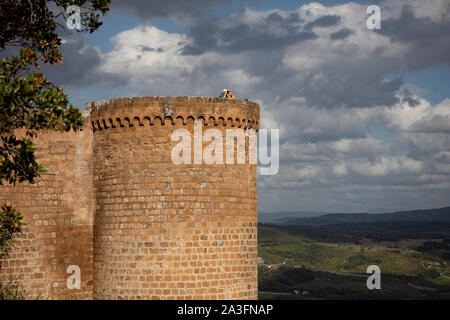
307	172
340	170
386	165
325	96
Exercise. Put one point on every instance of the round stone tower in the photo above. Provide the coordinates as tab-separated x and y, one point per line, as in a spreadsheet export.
164	230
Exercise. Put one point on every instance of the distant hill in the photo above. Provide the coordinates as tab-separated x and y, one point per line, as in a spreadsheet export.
268	217
429	215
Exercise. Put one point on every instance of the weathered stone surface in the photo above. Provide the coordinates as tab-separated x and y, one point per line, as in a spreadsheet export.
138	225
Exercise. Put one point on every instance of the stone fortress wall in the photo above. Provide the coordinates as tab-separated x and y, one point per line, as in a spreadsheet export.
138	225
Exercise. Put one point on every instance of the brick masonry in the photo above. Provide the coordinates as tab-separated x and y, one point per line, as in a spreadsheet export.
138	225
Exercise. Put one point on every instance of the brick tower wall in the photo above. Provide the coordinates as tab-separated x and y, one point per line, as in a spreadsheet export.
58	210
168	231
138	226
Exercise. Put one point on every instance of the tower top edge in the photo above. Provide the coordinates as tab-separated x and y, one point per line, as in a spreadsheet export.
99	104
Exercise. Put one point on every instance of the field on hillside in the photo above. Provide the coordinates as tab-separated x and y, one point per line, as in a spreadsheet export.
297	266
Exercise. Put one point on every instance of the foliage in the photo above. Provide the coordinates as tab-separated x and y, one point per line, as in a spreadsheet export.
33	23
11	290
11	223
338	270
28	101
283	279
359	259
431	273
377	232
437	249
275	246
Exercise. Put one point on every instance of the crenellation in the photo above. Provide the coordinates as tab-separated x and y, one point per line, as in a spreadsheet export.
138	225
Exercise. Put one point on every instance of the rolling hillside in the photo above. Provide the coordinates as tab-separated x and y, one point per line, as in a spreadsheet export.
326	257
429	215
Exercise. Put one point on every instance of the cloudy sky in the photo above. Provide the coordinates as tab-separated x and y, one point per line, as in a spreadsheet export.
364	115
